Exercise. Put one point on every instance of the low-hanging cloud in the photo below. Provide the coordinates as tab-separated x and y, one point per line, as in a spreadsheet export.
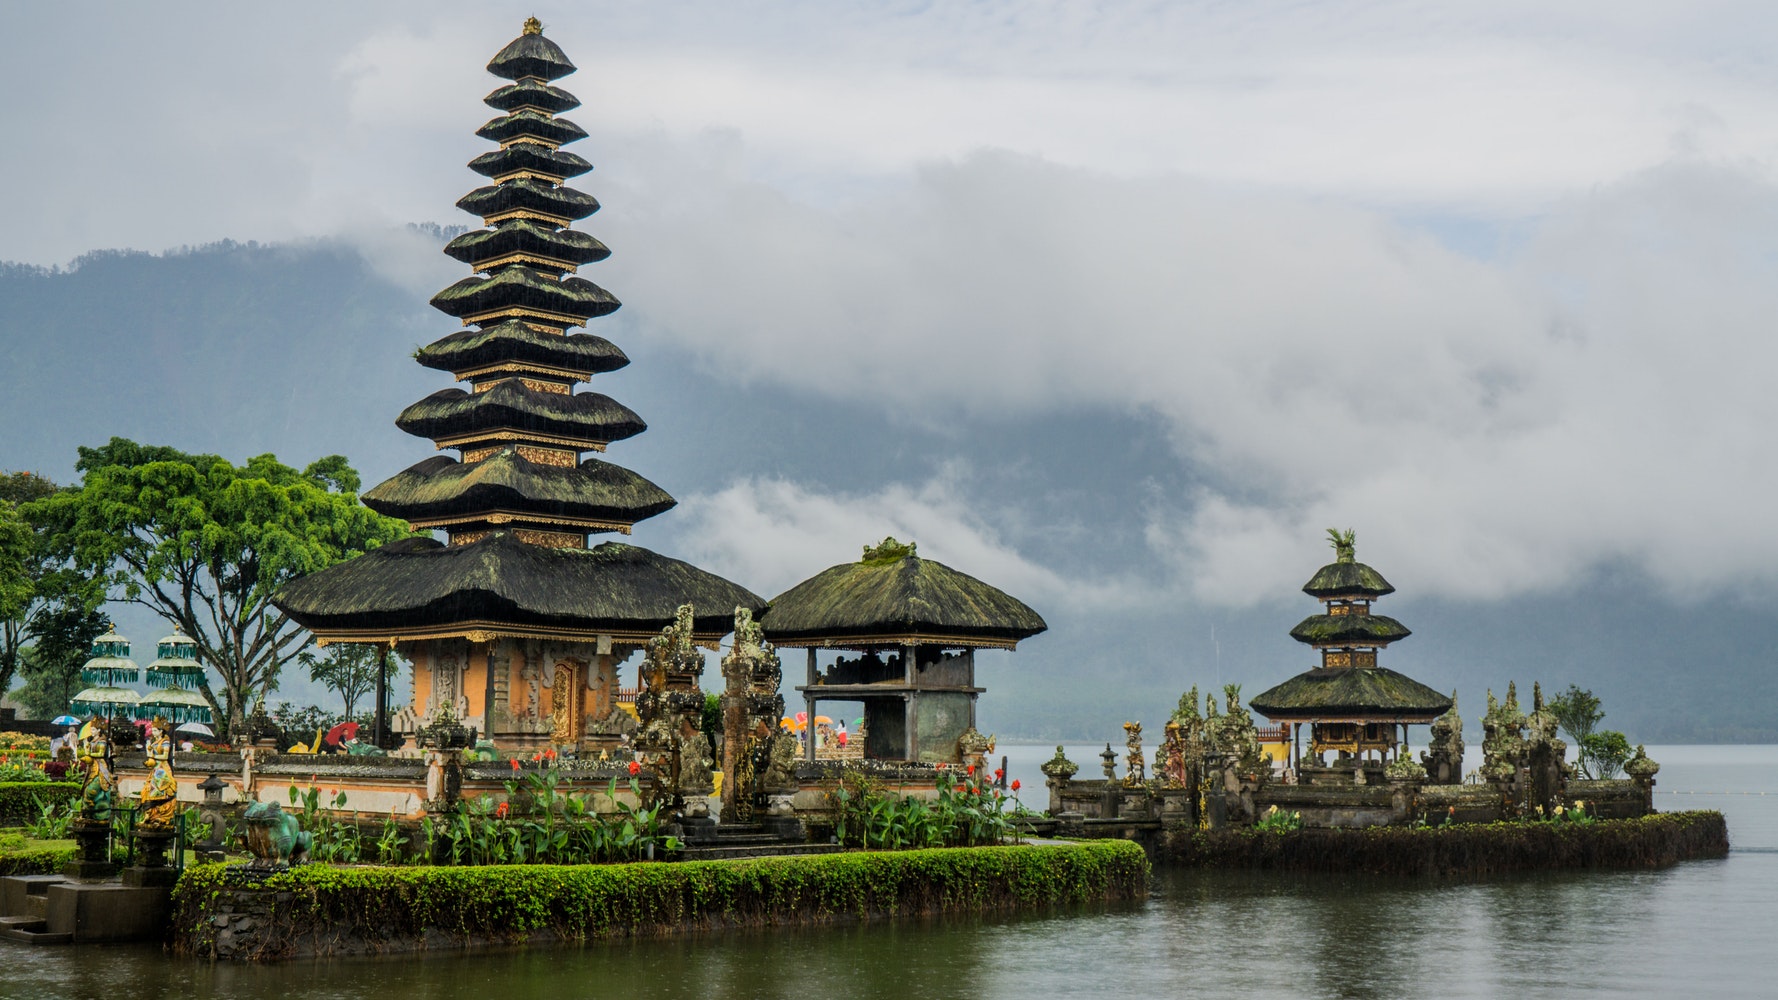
1596	397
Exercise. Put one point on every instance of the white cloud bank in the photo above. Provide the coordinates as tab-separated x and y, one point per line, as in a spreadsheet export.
1601	397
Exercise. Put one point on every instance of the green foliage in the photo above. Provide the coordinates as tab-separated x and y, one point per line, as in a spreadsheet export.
63	635
1603	753
205	544
394	907
20	800
21	857
1276	820
711	722
967	812
334	839
1577	712
33	578
54	817
350	670
1652	841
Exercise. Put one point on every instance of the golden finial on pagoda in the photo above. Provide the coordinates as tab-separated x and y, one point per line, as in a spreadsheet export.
533	26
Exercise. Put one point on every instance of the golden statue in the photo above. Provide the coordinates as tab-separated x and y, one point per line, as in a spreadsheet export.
93	754
159	802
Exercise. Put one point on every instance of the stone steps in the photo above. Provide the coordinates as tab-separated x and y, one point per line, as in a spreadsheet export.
31	930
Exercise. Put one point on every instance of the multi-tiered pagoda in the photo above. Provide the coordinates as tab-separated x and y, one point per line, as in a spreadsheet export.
1350	704
515	625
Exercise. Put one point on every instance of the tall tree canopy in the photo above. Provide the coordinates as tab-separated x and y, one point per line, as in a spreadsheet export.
205	544
33	581
62	637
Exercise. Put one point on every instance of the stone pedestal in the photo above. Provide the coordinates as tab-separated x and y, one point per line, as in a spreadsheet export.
151	868
92	838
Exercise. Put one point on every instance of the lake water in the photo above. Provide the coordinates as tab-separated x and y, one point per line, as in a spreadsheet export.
1703	928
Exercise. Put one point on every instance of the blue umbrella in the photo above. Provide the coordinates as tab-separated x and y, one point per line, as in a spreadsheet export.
64	720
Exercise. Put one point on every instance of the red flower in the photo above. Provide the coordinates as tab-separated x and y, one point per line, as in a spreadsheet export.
969	770
515	763
550	754
635	768
1015	784
500	810
998	774
536	757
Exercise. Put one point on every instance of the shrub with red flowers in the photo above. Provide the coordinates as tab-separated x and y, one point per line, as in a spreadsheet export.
966	813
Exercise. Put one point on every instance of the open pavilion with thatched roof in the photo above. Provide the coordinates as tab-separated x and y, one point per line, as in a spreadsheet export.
1351	705
916	625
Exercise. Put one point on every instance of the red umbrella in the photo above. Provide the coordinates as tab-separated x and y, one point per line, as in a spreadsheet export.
343	731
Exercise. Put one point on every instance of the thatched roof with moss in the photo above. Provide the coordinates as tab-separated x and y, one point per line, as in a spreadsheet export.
442	487
531	54
571	246
529	195
498	585
893	597
1356	630
1347	579
510	404
529	123
525	288
517	341
531	94
1374	693
529	156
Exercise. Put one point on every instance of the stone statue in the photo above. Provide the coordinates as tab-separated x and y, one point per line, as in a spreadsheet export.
158	804
1134	767
1057	772
973	748
1345	544
1444	759
779	774
97	786
1503	741
1170	757
1237	738
274	836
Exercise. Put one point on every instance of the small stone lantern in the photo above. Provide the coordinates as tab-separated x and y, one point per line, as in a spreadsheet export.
212	848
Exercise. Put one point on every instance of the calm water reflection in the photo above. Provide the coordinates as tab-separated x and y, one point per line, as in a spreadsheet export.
1703	927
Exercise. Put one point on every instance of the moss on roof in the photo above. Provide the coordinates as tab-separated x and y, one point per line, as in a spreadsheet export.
531	94
443	487
891	594
547	128
1357	629
531	54
1347	579
523	287
513	340
525	236
585	416
1352	691
529	195
417	584
529	156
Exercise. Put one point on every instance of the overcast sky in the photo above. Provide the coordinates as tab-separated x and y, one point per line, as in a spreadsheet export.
1491	283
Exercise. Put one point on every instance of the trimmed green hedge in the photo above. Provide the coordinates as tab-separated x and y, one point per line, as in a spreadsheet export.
16	797
35	860
324	910
1653	841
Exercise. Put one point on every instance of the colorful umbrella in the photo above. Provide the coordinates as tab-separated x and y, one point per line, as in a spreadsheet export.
103	699
196	728
64	720
178	665
111	664
177	704
341	732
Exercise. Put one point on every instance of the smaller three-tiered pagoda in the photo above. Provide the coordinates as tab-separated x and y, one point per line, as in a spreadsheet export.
1351	705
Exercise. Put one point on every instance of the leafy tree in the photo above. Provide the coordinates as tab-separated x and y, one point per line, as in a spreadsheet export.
205	544
1577	712
1606	750
51	668
32	580
350	670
